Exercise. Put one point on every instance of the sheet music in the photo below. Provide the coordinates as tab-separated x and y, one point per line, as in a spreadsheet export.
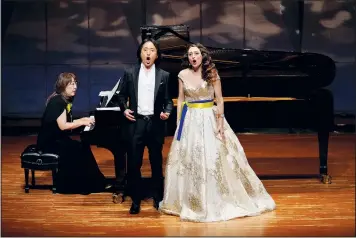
104	93
111	93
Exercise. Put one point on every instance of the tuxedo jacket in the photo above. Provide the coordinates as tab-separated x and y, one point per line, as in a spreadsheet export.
127	97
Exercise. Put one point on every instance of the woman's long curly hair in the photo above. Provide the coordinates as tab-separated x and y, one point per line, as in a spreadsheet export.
209	71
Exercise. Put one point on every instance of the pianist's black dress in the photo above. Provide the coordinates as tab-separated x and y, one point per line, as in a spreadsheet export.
78	171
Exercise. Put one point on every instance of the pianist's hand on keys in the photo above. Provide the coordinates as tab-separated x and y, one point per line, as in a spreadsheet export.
91	124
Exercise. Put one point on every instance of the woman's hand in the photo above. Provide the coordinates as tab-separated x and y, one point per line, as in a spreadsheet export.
86	121
220	129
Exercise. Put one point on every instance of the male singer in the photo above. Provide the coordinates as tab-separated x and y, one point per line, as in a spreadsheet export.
145	87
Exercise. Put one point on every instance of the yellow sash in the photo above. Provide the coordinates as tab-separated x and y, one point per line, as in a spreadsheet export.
195	104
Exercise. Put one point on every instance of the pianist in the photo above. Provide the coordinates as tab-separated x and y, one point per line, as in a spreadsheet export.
78	171
208	177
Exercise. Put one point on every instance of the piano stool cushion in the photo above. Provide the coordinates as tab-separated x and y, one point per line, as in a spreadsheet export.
31	158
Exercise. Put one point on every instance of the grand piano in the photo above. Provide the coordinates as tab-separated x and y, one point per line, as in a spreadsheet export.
262	89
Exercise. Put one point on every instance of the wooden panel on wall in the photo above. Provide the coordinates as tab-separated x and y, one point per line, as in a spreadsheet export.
329	28
114	31
23	91
25	39
175	12
344	88
272	25
67	32
222	23
84	34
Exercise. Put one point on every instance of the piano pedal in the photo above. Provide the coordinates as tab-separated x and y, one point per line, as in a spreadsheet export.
326	179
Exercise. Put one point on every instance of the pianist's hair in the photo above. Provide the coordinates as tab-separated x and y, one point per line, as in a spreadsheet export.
60	86
209	71
155	43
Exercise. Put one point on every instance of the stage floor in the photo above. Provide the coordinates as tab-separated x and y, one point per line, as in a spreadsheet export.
305	206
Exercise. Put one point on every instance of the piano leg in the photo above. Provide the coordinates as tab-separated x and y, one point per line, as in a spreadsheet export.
323	138
323	105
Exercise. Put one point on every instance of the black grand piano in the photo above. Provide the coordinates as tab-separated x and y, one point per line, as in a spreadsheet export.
262	89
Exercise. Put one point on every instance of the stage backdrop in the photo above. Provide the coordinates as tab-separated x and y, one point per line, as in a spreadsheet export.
97	39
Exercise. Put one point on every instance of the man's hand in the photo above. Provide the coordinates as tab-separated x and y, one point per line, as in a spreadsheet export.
128	115
164	115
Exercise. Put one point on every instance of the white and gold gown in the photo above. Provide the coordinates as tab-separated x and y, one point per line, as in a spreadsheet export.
207	179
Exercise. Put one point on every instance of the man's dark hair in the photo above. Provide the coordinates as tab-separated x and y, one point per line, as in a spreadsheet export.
155	43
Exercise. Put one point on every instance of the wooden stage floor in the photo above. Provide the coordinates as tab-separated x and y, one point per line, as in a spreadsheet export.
305	206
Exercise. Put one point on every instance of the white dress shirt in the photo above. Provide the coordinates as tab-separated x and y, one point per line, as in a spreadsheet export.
146	90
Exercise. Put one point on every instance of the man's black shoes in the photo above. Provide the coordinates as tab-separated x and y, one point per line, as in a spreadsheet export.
135	208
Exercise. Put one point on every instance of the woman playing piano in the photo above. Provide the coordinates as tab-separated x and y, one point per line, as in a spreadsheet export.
78	171
208	177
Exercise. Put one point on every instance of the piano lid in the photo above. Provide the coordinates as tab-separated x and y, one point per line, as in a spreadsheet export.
248	71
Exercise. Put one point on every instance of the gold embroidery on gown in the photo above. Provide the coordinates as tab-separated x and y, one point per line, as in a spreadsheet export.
205	179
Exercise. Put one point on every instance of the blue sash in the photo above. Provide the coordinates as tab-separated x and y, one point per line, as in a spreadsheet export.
194	104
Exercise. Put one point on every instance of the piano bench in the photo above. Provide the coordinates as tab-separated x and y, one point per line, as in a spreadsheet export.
33	159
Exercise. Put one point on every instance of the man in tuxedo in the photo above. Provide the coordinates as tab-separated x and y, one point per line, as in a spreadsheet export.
145	101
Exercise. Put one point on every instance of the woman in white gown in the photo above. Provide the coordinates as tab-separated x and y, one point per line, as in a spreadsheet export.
207	176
